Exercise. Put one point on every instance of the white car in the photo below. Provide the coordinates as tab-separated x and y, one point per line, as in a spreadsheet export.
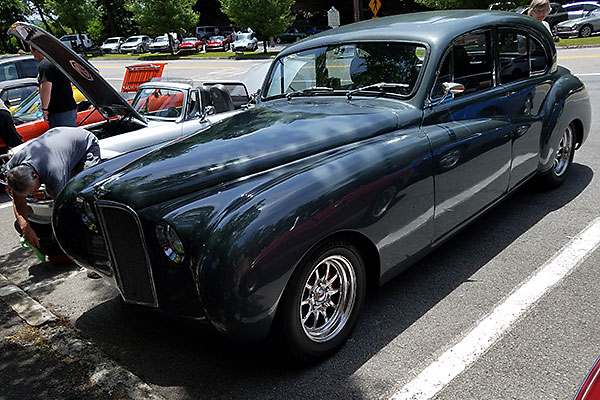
159	113
245	42
77	42
112	45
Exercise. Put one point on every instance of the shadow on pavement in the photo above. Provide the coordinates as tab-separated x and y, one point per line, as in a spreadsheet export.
173	353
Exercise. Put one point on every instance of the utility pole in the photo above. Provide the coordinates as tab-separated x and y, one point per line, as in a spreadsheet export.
357	10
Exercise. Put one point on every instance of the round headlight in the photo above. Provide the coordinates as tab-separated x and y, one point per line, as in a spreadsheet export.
169	242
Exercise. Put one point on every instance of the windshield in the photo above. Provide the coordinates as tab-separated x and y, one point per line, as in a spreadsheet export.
349	66
134	39
29	109
189	40
110	41
161	39
216	38
158	102
244	36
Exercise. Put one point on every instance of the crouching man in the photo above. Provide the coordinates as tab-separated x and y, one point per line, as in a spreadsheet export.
52	159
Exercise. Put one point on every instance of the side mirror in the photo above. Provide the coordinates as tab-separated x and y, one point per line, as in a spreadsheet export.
450	88
208	110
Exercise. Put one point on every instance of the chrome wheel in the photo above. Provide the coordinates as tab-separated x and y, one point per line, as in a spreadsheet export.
586	31
328	298
563	156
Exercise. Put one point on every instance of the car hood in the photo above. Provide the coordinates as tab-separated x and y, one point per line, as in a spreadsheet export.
82	74
258	139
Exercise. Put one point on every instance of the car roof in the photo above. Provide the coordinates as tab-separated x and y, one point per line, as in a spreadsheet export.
18	82
434	28
14	58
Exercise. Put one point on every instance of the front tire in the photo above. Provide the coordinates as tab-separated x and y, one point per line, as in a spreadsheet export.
563	158
322	301
585	31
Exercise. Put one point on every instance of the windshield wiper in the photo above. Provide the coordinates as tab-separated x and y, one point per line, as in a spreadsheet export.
309	90
379	85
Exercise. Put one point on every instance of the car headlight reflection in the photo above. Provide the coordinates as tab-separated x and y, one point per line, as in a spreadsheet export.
169	242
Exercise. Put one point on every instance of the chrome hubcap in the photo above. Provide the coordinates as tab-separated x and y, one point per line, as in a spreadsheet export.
328	298
563	153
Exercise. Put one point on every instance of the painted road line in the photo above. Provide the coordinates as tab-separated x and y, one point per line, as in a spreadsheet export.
455	360
27	308
590	74
574	57
6	205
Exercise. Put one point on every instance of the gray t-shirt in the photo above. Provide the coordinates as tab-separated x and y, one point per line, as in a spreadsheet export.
54	155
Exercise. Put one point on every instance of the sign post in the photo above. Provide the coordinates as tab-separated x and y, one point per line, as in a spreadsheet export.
333	17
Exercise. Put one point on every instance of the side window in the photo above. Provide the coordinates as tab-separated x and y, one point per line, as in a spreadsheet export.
538	56
468	62
514	55
29	68
472	62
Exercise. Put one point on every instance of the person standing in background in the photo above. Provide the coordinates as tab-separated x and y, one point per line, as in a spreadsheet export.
539	9
56	94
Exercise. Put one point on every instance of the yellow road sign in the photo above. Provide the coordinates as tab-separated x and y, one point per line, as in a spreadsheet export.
375	5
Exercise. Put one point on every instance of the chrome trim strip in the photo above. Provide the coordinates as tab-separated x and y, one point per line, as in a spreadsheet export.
107	203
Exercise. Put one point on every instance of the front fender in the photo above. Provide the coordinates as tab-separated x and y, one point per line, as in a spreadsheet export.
568	101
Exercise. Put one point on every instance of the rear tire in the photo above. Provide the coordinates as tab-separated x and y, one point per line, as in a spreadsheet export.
563	158
322	301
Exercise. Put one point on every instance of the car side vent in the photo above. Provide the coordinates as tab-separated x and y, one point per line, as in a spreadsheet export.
128	254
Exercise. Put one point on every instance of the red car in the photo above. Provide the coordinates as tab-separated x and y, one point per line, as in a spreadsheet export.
191	44
219	43
590	388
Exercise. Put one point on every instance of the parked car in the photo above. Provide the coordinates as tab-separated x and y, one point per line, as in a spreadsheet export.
191	44
220	43
136	44
557	15
290	35
205	31
17	67
13	92
161	44
160	112
582	27
502	6
581	8
345	173
112	45
245	42
77	42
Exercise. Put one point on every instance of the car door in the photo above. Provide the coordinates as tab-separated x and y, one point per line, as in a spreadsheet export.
524	61
469	134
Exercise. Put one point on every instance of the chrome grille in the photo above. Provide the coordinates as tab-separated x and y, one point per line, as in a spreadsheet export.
127	251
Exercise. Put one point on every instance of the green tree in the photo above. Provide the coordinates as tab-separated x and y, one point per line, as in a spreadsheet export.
10	11
76	15
266	17
156	17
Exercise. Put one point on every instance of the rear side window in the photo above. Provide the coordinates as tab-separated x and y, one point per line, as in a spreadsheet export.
521	55
8	71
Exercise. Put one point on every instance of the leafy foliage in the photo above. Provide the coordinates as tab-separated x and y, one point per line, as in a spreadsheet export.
10	11
156	17
266	17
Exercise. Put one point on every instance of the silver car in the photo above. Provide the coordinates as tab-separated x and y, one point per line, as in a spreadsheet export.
136	44
582	27
245	42
112	44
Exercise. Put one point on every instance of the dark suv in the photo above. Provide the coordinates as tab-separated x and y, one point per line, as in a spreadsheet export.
17	67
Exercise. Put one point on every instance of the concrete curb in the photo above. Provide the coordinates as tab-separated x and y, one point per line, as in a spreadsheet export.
104	372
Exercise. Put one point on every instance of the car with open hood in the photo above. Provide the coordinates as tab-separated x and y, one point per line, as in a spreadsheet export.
161	111
371	144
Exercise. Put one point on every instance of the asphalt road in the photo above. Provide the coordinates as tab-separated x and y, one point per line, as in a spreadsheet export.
406	326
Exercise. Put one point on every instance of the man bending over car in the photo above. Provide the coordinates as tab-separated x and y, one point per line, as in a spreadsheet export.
51	159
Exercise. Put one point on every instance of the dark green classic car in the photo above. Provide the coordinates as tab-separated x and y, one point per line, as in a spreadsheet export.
370	145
